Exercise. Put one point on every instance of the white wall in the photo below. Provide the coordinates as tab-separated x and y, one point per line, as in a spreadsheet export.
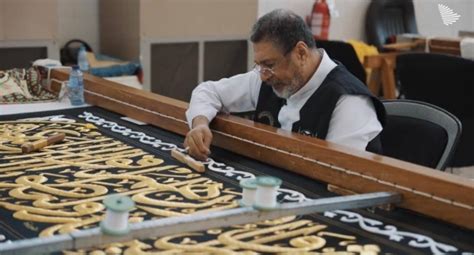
429	20
79	19
349	25
351	21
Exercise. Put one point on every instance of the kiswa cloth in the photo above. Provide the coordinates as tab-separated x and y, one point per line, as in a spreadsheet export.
25	86
60	189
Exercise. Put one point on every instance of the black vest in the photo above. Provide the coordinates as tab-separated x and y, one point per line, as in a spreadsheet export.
316	113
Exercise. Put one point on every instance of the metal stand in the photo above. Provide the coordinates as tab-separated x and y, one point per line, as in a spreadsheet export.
193	222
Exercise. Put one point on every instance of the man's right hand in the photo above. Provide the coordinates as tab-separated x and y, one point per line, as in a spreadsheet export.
199	139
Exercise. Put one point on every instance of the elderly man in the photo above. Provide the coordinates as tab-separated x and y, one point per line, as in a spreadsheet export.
294	86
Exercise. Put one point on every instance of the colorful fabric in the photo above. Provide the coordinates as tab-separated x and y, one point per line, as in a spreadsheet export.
25	86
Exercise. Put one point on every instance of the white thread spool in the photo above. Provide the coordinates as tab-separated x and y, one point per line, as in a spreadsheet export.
116	216
267	187
249	190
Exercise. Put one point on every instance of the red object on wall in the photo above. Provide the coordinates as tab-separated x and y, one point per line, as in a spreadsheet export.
320	20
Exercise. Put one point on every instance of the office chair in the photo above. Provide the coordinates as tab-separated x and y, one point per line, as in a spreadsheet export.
344	53
445	81
420	133
387	18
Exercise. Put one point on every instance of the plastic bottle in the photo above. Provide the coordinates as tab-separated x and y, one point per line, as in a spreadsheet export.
76	86
82	59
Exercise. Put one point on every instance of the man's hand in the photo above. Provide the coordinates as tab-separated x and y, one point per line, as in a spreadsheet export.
199	139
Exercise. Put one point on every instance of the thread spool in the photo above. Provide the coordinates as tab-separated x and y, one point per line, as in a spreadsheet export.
249	190
116	217
267	188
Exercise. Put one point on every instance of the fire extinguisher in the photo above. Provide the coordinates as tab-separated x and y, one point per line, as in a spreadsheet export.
320	19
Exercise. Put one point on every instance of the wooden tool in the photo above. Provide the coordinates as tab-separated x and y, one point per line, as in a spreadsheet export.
36	145
188	160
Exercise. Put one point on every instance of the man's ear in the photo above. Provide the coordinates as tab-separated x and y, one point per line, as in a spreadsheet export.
302	51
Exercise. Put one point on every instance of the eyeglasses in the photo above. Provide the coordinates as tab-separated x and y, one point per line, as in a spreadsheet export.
269	71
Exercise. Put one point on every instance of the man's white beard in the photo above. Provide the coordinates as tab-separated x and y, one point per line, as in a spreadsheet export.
285	94
288	90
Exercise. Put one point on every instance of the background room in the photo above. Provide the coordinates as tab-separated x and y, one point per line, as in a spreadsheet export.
194	126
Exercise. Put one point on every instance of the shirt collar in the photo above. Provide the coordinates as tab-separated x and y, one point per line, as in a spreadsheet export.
325	67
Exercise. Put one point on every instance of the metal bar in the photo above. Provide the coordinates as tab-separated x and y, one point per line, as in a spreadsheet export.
194	222
40	245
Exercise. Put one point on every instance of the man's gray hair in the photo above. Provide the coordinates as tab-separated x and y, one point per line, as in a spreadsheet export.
284	28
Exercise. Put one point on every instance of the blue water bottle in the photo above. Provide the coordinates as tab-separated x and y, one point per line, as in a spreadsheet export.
76	86
82	59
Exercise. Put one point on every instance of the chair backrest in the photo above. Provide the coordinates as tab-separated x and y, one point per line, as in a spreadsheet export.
387	18
446	81
344	53
420	133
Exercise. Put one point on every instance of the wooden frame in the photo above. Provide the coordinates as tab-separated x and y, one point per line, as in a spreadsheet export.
430	192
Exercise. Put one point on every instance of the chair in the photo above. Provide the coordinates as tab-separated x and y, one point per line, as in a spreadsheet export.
386	18
445	81
344	53
420	133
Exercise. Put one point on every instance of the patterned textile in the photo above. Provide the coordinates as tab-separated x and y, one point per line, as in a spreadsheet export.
25	86
60	189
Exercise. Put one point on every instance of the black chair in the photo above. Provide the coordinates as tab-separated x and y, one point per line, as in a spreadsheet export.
344	53
420	133
386	18
445	81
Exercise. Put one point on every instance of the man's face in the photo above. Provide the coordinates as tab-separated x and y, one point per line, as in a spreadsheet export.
277	69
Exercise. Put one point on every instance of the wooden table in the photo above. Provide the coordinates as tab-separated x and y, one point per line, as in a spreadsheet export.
383	66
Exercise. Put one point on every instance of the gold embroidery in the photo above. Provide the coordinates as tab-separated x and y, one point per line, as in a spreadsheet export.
63	185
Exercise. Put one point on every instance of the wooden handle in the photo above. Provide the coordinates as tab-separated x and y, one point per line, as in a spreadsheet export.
188	160
56	138
36	145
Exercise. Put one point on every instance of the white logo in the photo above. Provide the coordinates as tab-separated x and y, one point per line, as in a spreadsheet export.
448	15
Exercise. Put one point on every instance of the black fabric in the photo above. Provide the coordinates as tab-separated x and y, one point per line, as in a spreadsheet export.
387	18
316	114
345	53
445	81
413	140
404	227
